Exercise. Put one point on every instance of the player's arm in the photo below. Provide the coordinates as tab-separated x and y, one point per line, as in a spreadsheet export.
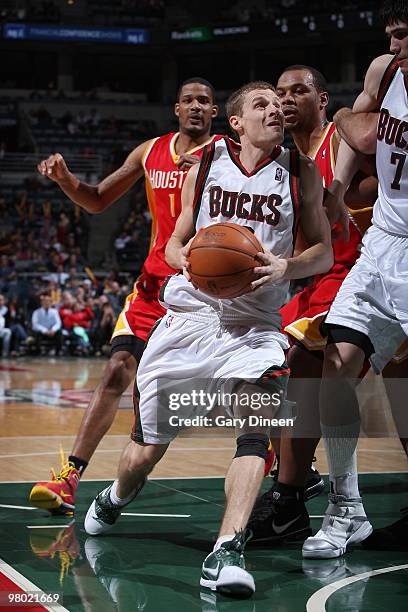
359	130
348	160
314	225
95	198
178	245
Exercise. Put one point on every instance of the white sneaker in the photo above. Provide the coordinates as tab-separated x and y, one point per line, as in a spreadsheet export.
103	513
345	523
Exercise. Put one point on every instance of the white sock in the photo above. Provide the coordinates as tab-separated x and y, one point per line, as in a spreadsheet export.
346	484
221	540
117	500
341	443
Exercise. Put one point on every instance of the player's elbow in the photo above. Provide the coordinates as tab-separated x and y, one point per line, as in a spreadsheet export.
367	143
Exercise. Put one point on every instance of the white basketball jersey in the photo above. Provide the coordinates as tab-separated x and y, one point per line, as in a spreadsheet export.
266	200
391	208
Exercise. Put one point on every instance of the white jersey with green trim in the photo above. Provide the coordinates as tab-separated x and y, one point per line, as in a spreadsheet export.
391	208
267	200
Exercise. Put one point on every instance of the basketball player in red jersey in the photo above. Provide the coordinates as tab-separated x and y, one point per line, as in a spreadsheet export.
164	161
281	511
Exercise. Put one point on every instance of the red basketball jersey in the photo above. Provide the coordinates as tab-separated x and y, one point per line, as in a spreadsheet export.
164	181
345	253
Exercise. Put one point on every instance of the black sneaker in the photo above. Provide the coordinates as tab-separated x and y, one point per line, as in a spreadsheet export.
279	518
392	537
314	482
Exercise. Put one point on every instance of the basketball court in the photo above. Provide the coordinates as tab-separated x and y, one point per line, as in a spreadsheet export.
151	561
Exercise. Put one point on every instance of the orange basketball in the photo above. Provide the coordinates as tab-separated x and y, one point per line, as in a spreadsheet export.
222	257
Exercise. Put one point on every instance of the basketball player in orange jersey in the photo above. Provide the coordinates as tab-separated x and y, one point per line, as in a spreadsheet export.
281	512
164	161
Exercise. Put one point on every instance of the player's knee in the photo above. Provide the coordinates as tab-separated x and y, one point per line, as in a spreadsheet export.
341	361
144	457
117	375
253	445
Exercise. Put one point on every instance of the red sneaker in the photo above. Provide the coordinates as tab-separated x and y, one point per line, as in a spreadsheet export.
269	463
58	543
58	495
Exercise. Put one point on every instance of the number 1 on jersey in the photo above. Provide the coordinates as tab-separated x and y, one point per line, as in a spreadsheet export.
172	204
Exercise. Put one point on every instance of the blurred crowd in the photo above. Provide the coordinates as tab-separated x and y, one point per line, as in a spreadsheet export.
75	316
50	301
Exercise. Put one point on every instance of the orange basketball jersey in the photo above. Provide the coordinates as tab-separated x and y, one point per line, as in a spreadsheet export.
164	181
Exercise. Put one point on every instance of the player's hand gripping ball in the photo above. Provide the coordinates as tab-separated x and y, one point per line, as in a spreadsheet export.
222	258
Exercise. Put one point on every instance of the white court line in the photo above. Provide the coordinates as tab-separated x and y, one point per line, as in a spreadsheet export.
183	477
56	437
47	527
27	586
169	450
18	507
120	450
317	602
111	479
158	515
316	516
188	494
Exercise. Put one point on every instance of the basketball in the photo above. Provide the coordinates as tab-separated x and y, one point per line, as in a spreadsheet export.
222	258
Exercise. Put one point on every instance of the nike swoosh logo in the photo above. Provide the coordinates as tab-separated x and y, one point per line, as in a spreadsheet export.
64	494
281	528
213	573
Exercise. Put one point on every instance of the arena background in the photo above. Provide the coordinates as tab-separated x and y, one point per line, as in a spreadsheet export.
91	79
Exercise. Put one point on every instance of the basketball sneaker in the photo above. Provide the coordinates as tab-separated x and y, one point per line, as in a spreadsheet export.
281	518
345	523
103	513
224	570
211	601
392	537
314	482
57	543
115	572
57	495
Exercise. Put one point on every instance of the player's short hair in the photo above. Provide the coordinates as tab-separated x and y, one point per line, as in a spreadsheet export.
45	294
393	11
236	100
196	80
319	81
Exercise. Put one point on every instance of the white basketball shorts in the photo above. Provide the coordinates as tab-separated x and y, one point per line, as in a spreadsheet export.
373	298
186	355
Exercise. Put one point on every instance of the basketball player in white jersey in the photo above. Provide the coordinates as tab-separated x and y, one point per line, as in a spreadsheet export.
369	317
237	340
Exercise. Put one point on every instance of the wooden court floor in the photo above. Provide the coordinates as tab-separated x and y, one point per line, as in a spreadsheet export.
152	561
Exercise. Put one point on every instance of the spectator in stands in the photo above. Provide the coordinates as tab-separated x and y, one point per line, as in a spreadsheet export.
93	120
63	227
60	276
16	322
46	324
78	321
3	306
6	272
104	328
122	240
5	337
